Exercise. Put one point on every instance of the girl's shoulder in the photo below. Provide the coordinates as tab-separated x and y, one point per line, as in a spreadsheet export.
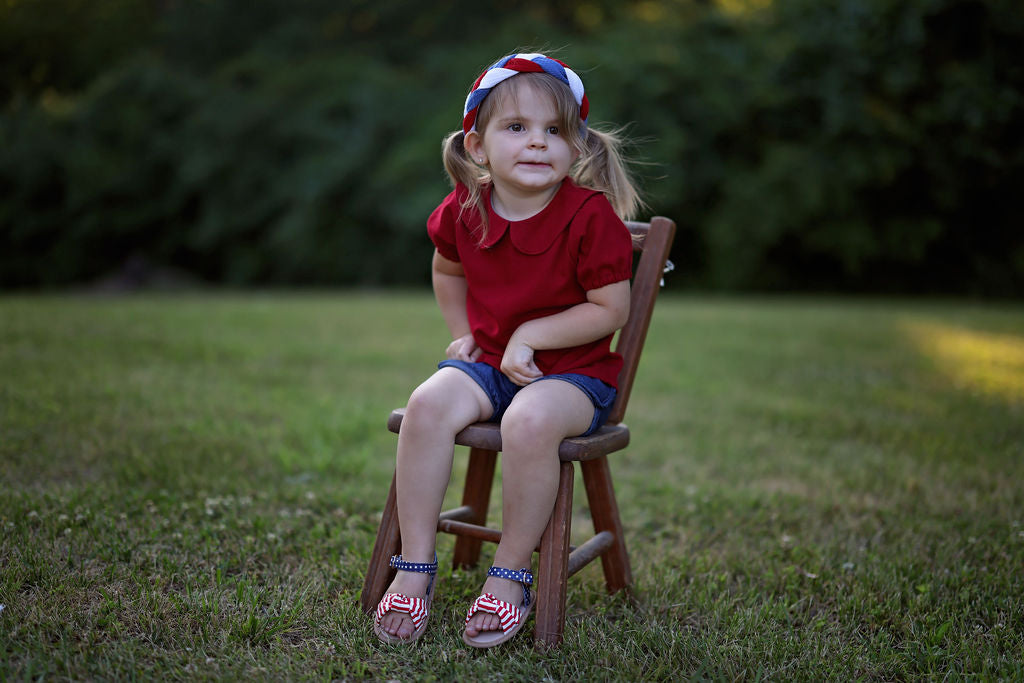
453	208
446	221
592	210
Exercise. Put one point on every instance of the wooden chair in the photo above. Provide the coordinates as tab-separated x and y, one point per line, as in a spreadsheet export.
557	560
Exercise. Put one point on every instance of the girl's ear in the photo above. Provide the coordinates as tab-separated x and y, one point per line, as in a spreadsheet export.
474	144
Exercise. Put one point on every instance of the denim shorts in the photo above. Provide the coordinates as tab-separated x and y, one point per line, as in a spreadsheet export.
501	390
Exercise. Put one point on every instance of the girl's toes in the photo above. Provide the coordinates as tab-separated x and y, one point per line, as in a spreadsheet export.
473	627
396	625
493	623
482	622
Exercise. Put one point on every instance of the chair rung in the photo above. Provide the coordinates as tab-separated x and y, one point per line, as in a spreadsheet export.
450	526
460	514
590	551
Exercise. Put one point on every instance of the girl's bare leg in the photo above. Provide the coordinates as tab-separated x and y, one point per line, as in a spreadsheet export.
438	409
541	415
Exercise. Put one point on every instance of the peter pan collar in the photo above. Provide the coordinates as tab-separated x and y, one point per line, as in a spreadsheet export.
536	234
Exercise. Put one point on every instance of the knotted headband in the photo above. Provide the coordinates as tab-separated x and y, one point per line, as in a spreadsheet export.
506	68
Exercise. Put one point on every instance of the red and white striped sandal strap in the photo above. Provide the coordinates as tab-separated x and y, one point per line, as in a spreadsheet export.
507	613
416	608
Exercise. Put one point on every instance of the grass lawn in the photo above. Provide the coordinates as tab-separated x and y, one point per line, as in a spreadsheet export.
816	489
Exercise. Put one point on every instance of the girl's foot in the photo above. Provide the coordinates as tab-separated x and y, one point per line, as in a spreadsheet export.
505	590
403	611
400	624
502	608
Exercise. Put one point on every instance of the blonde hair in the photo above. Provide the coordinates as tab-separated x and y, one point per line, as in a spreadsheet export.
601	166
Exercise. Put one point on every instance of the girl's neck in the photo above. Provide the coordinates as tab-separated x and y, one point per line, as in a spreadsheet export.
514	207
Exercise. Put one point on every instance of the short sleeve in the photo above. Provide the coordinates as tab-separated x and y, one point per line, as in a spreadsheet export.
441	227
606	247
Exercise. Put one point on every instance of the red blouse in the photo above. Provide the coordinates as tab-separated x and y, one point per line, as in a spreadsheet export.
535	268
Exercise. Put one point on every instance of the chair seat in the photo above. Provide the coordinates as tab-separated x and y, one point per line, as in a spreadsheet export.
487	436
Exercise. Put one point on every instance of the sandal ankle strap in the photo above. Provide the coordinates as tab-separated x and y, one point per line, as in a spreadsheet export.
522	576
419	567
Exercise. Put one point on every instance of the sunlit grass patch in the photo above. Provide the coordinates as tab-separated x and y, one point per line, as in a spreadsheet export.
989	363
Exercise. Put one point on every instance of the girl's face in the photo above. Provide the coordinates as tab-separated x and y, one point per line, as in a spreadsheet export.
523	146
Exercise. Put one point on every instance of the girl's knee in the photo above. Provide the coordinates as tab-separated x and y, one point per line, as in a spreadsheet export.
426	404
530	425
446	400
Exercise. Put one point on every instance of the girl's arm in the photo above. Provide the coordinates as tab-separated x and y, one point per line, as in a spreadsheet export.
449	282
605	310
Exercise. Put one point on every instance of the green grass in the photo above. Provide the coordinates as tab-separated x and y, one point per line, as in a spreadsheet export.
816	489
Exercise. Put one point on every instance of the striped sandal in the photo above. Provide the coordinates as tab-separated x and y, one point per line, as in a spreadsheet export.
418	609
512	617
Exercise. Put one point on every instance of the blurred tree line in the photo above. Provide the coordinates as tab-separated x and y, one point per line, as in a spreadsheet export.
841	145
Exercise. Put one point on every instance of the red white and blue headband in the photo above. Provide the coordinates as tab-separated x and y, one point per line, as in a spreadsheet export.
506	68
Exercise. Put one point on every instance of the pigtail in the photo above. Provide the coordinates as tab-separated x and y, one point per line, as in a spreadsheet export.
462	171
602	167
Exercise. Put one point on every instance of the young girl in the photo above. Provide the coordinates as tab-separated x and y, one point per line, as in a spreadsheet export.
531	271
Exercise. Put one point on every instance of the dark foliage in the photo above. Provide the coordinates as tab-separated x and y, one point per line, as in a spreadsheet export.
847	145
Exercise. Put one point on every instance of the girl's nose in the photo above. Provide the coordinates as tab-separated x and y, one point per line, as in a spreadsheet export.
537	138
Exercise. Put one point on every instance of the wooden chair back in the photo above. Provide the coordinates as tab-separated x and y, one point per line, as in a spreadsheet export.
653	241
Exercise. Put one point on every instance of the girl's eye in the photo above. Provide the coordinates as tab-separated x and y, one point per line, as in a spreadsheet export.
516	127
553	130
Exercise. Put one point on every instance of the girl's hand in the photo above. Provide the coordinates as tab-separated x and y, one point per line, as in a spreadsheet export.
464	348
517	363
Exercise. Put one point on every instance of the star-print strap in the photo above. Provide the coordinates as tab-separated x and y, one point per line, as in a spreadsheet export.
419	567
522	576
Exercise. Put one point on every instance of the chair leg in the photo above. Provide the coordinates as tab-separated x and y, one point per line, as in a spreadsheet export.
597	478
476	495
553	565
389	542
